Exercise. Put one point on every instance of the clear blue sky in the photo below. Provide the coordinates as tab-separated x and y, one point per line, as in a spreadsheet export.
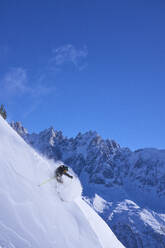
85	65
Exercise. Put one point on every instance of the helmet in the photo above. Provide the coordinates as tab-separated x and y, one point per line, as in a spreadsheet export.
64	167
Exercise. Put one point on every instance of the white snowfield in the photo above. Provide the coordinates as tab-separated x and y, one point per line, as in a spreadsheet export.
50	216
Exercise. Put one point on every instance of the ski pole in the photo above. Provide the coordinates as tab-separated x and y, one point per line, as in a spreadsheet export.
46	181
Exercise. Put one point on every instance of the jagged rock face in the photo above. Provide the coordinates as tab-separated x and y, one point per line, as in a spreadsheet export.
141	226
17	126
148	169
131	184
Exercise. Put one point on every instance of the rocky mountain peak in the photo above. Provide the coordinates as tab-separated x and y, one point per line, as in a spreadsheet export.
48	132
17	126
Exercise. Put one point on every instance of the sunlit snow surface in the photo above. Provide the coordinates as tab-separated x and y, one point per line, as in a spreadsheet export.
49	216
70	189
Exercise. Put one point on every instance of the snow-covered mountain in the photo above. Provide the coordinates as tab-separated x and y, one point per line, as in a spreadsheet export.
48	216
126	188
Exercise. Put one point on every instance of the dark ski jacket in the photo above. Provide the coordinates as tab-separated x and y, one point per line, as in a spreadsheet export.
62	170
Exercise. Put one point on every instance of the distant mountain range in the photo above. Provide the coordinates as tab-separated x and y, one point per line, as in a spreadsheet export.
126	188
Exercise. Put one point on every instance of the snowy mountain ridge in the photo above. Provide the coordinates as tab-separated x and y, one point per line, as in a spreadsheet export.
50	216
126	188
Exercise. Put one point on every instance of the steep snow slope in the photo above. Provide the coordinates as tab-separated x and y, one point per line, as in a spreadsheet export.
32	216
126	188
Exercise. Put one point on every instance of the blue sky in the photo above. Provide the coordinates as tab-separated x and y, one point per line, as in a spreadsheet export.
85	65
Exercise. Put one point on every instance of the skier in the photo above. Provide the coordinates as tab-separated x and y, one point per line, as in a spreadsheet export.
60	171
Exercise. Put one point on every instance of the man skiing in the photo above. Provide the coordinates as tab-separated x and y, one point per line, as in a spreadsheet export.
60	171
